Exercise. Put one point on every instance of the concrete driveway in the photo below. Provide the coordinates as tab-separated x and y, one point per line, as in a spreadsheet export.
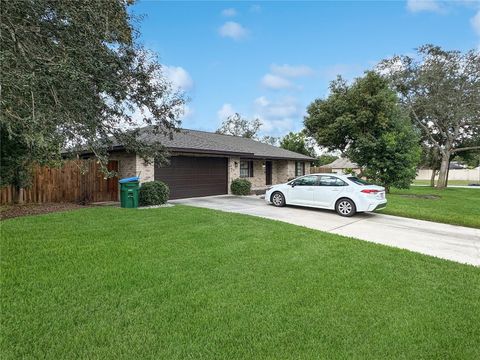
449	242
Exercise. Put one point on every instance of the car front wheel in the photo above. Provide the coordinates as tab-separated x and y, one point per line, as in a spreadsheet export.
278	199
345	207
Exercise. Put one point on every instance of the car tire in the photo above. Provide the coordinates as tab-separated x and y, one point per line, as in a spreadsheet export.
278	199
345	207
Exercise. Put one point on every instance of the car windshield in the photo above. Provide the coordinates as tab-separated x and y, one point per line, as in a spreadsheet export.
357	180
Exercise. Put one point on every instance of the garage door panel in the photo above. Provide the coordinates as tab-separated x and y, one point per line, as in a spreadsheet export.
194	176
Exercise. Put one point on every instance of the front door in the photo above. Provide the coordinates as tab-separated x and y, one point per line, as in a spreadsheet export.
268	172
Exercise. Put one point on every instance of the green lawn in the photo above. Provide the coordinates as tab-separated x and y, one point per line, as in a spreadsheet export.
111	283
450	182
455	206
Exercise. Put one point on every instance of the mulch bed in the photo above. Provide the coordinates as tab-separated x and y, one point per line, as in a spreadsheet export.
12	211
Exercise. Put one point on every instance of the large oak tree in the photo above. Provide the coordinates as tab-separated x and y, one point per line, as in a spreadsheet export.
74	76
441	90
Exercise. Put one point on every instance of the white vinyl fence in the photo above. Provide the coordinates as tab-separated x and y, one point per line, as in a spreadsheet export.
457	174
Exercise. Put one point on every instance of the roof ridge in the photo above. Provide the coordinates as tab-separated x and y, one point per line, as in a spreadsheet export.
217	143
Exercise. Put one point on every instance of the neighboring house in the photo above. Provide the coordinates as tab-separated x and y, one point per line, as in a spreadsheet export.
341	164
204	163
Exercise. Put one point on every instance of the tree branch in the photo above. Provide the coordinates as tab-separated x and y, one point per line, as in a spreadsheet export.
427	130
466	149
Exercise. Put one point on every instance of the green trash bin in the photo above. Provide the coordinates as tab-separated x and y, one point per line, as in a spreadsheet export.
129	189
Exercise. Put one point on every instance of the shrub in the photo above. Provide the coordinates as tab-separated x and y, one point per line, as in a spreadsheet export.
153	193
241	187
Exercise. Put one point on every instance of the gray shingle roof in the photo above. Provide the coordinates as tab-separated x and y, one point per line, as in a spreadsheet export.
206	142
342	163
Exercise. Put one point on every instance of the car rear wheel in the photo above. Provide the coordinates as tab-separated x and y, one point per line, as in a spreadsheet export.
345	207
278	199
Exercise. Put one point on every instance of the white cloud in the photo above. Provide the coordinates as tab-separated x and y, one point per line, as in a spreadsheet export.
179	77
278	117
275	82
255	8
261	101
233	30
225	111
292	70
187	112
475	21
230	12
285	107
423	5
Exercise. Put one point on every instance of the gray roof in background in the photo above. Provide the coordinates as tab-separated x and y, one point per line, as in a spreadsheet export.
206	142
342	163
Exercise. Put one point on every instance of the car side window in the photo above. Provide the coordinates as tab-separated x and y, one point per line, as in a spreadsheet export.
306	181
331	181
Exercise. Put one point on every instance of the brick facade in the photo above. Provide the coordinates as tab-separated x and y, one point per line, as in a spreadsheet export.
282	170
133	165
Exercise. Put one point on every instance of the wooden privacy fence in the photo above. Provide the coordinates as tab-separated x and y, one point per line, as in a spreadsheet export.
320	169
79	181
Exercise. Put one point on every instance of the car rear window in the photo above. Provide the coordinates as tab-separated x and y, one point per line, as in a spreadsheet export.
357	180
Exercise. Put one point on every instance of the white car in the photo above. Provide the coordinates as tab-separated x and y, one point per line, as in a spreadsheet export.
345	194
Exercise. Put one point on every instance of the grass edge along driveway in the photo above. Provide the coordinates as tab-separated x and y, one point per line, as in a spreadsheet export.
455	206
186	282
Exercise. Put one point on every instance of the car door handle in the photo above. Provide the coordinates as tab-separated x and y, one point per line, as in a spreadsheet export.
335	189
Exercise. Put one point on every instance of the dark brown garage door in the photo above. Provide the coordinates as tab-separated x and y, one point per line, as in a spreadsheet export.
194	176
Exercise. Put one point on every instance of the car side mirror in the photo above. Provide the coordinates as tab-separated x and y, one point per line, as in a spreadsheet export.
293	184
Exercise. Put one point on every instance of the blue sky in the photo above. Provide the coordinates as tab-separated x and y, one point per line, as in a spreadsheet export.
271	59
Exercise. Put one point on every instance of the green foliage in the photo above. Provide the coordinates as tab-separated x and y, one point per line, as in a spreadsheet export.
153	193
74	75
241	187
299	143
325	159
237	126
365	122
349	171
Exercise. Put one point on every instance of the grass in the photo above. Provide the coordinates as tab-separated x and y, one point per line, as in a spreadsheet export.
457	206
183	282
450	182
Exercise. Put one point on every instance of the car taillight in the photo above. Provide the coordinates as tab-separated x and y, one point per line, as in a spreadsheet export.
370	191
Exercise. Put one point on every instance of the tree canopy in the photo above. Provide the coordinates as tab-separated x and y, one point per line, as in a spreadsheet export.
441	90
366	123
236	125
299	143
74	76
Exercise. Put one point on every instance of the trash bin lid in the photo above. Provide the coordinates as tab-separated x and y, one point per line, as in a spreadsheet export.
130	179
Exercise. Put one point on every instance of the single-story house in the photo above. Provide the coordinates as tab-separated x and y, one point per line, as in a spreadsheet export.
204	163
340	165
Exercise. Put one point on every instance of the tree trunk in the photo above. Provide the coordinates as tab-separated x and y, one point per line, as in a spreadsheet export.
443	174
432	178
20	192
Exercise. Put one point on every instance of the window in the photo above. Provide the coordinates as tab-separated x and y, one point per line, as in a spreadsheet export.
306	181
299	168
357	181
246	168
331	181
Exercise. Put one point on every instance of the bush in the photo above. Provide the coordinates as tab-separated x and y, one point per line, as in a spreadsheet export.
241	187
153	193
